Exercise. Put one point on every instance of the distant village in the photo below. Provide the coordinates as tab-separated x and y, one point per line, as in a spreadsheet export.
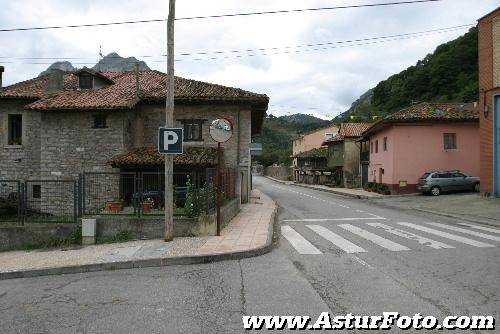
395	154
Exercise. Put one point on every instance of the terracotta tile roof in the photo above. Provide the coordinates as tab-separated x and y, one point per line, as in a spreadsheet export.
122	93
349	130
149	156
436	111
429	112
320	152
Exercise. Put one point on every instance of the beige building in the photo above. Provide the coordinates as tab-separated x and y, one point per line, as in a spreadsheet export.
343	158
310	140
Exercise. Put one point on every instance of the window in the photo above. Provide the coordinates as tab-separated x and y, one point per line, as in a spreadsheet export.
36	191
193	129
376	146
99	121
371	147
15	130
450	141
85	81
385	143
329	135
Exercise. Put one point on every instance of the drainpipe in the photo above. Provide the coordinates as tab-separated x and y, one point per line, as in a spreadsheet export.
239	138
1	73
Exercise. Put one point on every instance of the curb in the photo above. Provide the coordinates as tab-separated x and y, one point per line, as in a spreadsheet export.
321	189
153	262
449	215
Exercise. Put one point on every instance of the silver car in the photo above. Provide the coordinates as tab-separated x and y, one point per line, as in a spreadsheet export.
436	182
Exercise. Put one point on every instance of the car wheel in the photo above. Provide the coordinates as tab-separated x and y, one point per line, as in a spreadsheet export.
476	188
435	191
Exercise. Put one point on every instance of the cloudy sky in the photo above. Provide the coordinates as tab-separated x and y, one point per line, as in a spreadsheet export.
322	81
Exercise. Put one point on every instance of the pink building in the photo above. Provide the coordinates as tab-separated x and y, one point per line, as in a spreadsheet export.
423	137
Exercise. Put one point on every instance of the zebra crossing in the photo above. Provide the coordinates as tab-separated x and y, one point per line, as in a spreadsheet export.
388	236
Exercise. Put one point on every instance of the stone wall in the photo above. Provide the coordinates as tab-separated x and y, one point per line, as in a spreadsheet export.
279	172
19	237
70	144
20	162
153	227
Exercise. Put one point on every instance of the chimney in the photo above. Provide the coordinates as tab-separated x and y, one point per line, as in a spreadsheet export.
55	82
1	73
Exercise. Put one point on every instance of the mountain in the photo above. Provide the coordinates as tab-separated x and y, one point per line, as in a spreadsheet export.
59	65
364	100
277	134
302	119
111	62
449	74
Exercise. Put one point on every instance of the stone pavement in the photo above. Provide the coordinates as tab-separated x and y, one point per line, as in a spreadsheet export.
355	193
250	233
468	206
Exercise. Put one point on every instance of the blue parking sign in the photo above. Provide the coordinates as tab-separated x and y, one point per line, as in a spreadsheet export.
170	140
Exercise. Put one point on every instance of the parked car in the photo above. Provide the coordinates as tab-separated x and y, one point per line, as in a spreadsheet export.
437	182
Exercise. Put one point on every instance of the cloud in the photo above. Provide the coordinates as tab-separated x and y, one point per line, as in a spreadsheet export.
319	82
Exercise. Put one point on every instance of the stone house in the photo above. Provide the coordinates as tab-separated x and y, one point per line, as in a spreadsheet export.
310	140
59	125
420	138
489	102
343	154
311	166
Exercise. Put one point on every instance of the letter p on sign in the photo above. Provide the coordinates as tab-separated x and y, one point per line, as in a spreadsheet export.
170	140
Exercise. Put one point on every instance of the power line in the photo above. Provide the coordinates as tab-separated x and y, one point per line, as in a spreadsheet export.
219	16
272	50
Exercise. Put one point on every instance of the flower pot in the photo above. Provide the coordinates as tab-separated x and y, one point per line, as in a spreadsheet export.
147	206
114	206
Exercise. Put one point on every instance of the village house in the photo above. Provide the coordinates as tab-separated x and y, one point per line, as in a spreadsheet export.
308	141
57	126
311	166
343	155
489	102
420	138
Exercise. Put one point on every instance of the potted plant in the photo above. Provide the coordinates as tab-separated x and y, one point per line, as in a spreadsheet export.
147	205
114	206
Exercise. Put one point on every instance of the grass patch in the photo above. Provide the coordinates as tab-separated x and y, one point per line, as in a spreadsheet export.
56	242
122	236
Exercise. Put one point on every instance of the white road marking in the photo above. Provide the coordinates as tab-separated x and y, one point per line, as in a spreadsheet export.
371	214
330	219
410	236
463	230
447	235
382	242
336	239
298	242
357	259
494	230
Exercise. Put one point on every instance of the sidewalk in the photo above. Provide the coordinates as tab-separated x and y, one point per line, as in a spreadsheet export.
467	206
354	193
250	233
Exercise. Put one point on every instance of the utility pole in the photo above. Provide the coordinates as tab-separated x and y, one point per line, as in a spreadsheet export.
169	122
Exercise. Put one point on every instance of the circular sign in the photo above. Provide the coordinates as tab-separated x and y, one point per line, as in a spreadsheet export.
221	130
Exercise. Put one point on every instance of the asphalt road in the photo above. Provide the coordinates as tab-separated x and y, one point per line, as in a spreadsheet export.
333	255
